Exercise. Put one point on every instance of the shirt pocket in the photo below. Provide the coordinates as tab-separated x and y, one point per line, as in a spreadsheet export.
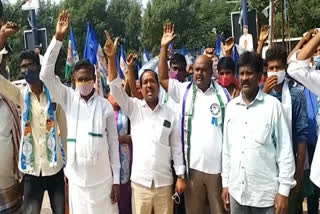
261	133
166	127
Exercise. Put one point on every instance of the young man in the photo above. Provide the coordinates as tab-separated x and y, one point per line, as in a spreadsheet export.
227	76
299	68
40	159
93	164
257	163
202	111
295	112
155	138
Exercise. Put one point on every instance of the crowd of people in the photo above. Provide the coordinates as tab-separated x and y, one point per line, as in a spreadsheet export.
226	137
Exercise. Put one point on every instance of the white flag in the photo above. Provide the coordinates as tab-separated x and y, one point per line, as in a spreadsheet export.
31	5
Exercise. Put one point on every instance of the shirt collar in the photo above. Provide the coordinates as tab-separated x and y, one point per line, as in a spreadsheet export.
145	105
259	97
208	89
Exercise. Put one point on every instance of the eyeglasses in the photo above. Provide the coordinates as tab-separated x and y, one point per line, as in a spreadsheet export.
176	198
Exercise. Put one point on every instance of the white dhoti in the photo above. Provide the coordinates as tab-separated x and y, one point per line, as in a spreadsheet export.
91	200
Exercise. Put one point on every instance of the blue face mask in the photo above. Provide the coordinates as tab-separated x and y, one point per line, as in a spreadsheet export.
31	76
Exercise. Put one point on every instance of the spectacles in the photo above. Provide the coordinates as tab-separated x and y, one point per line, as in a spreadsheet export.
176	198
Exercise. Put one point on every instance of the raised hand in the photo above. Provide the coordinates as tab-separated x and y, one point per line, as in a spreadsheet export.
168	34
110	47
9	29
131	58
209	52
309	35
228	45
62	27
264	33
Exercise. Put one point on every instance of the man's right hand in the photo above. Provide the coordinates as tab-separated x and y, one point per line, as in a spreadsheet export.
110	47
226	199
168	34
209	52
264	33
9	29
131	58
270	83
62	28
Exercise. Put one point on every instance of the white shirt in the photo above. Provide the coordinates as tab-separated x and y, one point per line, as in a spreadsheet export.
7	177
257	158
82	172
206	138
249	40
301	71
155	137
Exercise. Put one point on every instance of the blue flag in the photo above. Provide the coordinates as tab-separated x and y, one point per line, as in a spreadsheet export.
121	75
218	46
244	10
201	50
92	45
122	63
183	51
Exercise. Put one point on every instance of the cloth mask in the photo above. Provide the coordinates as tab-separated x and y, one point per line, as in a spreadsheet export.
31	76
177	75
280	76
225	81
85	88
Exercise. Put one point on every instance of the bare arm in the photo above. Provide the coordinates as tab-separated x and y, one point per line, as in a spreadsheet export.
110	48
131	77
168	36
6	31
309	49
264	33
304	40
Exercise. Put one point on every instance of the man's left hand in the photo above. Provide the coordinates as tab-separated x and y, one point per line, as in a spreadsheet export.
115	193
281	204
180	185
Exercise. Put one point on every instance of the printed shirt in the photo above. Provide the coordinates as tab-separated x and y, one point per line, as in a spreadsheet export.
257	159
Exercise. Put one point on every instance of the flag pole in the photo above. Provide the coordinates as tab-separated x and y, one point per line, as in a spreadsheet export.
35	38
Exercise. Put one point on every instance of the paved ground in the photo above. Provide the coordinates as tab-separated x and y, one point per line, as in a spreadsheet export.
46	206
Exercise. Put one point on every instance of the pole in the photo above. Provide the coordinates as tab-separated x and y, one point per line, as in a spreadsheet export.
283	23
34	28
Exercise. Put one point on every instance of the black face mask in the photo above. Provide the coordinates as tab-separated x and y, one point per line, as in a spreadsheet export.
31	76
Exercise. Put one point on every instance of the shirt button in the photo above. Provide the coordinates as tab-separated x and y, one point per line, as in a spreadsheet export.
244	137
242	152
242	182
245	123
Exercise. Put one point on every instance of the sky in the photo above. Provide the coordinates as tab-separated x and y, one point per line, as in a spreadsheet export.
144	2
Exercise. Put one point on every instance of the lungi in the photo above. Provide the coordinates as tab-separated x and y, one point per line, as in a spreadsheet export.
91	200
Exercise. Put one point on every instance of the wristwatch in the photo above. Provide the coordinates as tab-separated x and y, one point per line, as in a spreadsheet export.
180	176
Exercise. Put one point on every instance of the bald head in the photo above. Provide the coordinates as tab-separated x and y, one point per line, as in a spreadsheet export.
202	72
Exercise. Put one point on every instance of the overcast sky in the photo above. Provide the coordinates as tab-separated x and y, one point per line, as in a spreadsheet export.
144	2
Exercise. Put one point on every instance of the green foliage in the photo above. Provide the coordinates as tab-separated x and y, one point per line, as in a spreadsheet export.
197	22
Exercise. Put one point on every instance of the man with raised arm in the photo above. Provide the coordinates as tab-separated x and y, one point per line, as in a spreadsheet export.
203	103
93	164
155	138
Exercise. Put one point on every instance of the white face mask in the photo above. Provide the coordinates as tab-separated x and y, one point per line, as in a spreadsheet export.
280	75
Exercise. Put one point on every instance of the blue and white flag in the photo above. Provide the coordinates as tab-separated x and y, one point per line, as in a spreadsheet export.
122	60
145	57
93	53
218	49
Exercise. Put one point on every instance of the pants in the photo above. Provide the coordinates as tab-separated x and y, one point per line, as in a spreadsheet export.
202	187
91	200
34	188
145	199
125	199
237	208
